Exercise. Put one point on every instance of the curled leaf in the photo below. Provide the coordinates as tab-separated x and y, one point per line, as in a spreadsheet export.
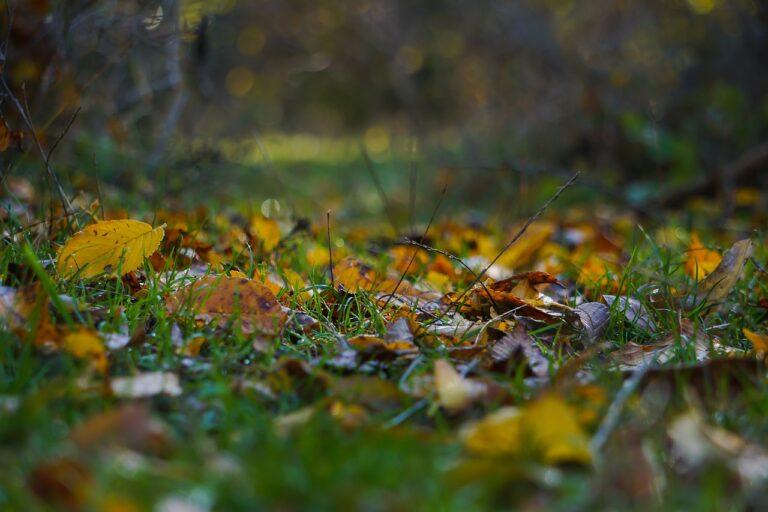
717	285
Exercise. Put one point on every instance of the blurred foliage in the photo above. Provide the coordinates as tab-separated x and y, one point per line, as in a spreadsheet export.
638	90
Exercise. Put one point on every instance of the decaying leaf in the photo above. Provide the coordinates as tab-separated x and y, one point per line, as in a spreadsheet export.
222	299
634	354
594	318
718	284
353	275
695	442
515	348
130	426
63	483
634	311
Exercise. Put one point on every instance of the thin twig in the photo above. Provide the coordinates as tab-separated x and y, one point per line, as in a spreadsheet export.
413	256
611	418
31	128
330	250
456	259
379	188
758	266
62	134
519	234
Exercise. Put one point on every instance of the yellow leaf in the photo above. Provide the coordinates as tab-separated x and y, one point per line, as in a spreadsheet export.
719	283
701	261
109	246
317	256
266	230
86	344
454	392
354	275
496	435
522	251
552	426
759	341
546	428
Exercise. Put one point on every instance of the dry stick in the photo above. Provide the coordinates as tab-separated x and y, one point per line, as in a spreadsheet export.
412	191
519	234
611	418
63	133
458	260
379	188
28	121
330	251
413	256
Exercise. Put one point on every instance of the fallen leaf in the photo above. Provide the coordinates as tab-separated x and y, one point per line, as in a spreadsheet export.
717	285
130	426
594	318
515	348
63	483
497	435
455	392
546	428
86	344
353	275
146	384
221	299
634	311
266	231
108	246
759	341
701	261
553	428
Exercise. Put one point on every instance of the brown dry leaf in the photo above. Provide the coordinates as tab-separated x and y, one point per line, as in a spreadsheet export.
63	483
146	384
221	298
633	354
527	285
634	311
701	261
717	285
594	318
353	275
108	246
377	348
695	443
130	426
515	348
26	311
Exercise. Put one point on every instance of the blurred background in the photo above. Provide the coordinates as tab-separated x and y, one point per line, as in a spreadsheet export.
324	103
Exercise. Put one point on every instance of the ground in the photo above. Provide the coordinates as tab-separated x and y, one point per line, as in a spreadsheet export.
226	358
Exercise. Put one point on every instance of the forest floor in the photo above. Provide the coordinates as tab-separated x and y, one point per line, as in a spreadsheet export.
571	357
